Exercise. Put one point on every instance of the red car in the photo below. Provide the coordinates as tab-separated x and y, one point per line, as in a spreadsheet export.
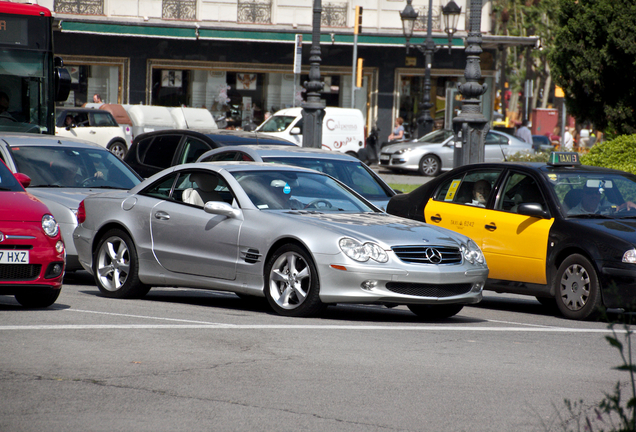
32	253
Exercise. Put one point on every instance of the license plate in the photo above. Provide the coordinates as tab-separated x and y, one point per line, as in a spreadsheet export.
14	257
385	157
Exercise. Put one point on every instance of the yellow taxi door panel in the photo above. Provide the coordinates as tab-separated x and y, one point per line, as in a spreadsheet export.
515	247
464	219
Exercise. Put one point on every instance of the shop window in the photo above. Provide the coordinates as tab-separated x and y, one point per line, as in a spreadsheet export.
90	79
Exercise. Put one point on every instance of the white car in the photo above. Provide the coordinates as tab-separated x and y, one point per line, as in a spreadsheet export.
434	152
94	125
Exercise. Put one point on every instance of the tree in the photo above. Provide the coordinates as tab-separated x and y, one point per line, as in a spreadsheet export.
594	59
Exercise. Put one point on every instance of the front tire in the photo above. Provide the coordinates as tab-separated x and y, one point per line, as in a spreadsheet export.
435	312
116	267
430	165
292	287
38	297
577	289
118	148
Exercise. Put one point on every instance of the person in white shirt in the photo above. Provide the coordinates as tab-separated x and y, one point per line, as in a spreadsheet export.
568	140
523	133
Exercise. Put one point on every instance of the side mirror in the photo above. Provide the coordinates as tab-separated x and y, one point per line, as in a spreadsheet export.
62	81
533	210
295	131
221	208
24	179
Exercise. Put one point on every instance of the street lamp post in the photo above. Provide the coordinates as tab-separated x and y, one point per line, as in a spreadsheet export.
451	13
470	126
313	110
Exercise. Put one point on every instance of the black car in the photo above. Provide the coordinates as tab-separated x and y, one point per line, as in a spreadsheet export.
152	152
560	231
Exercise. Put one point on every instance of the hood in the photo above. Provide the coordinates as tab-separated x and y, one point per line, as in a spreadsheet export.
624	229
383	228
21	206
67	197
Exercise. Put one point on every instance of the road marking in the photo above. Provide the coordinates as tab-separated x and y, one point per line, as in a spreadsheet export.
300	327
191	324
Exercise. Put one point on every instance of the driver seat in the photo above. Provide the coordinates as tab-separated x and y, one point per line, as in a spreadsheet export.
204	191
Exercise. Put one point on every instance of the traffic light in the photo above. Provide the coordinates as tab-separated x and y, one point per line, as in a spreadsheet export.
357	26
359	73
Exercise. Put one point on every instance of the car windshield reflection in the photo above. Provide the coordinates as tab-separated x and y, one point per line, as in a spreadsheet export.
285	190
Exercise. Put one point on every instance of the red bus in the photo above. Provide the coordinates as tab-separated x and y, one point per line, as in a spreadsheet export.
31	78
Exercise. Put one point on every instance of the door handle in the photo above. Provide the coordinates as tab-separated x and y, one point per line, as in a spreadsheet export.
491	226
93	132
162	215
436	218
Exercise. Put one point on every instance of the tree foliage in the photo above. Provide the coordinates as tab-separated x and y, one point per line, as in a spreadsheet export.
593	59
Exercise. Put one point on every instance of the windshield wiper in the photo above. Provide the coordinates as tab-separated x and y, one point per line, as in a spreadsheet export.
590	216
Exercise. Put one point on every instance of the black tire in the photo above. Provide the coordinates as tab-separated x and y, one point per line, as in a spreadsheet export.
548	302
116	267
430	166
118	148
577	291
38	297
292	291
435	312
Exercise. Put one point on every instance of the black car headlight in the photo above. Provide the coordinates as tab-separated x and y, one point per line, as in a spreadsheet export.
472	253
630	256
362	252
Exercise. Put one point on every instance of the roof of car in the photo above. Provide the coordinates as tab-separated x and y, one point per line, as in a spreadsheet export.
91	110
265	151
223	136
18	139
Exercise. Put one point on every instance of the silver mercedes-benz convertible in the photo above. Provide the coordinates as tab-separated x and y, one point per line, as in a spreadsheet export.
298	237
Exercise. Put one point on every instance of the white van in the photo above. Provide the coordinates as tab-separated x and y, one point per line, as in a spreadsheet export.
199	119
149	118
342	128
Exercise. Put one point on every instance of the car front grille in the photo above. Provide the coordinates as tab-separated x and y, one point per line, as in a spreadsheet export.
428	290
19	272
428	254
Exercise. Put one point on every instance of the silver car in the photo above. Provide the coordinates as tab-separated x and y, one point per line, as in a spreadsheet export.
345	168
296	236
434	152
63	172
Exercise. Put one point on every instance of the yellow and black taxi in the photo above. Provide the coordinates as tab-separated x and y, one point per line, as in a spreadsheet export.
562	232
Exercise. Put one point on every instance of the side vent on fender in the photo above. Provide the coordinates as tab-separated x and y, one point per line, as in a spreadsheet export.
252	256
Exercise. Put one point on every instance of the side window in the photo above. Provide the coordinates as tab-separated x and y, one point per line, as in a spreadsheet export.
161	189
199	187
192	149
225	156
518	189
160	152
81	119
102	119
493	139
472	188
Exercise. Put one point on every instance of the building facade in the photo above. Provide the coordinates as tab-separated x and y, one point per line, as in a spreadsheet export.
236	57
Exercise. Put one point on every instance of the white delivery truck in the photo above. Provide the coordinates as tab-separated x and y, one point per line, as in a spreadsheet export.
149	118
342	128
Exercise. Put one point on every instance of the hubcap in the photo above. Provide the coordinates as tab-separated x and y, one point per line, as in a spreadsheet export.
575	287
430	165
289	280
113	264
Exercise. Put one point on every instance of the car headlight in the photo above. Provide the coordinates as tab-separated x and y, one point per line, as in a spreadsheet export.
472	253
630	256
402	151
362	251
50	226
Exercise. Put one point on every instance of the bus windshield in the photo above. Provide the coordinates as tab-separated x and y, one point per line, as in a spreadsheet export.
24	91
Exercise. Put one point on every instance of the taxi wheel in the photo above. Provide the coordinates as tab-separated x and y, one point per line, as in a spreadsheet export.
292	287
577	289
435	312
116	267
430	165
38	297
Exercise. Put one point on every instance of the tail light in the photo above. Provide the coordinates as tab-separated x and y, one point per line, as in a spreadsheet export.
81	213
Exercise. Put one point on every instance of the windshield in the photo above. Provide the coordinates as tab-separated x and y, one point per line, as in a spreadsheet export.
436	137
8	182
73	167
589	194
23	91
276	124
288	190
353	174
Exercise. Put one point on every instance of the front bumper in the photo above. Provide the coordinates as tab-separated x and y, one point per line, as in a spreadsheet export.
399	283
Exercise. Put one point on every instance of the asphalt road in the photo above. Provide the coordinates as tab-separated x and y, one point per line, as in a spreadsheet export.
187	360
392	177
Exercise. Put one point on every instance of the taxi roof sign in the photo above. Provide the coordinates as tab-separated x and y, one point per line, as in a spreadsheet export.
564	159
